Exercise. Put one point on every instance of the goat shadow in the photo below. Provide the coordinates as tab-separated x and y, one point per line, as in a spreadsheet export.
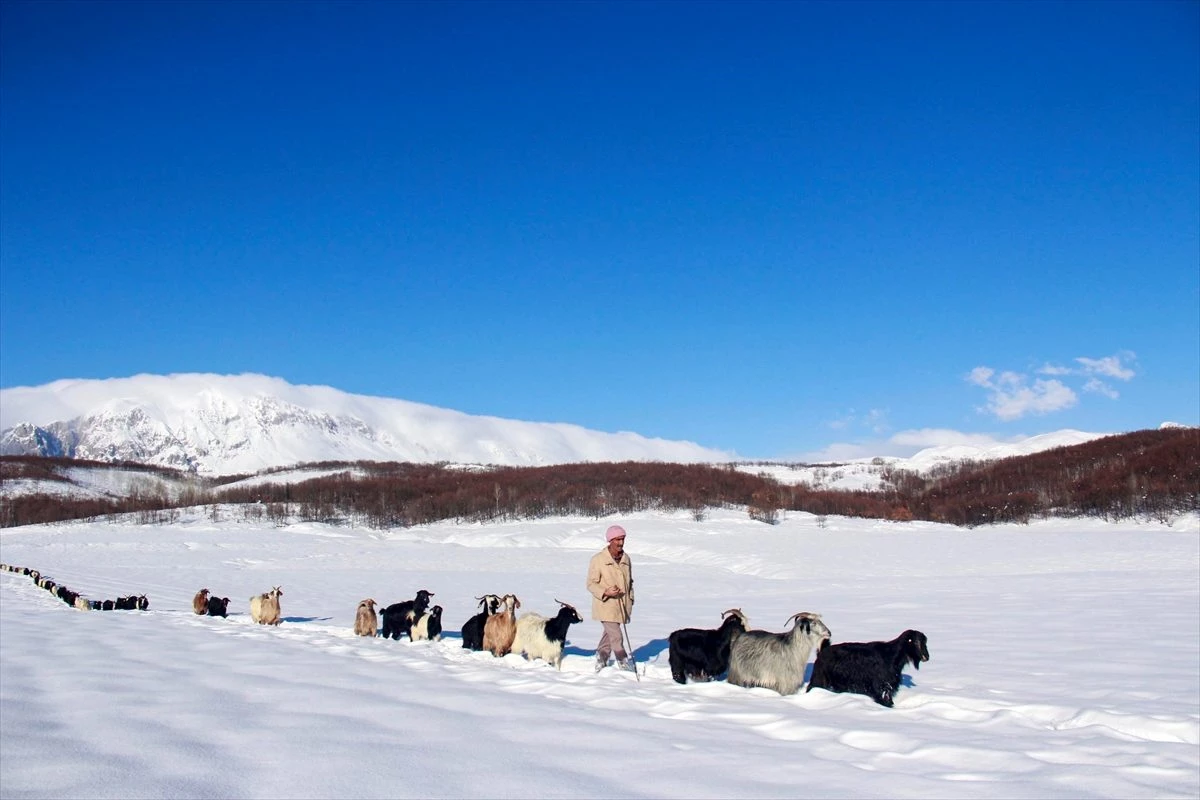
306	619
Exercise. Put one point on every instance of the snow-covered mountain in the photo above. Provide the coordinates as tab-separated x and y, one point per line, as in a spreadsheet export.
227	424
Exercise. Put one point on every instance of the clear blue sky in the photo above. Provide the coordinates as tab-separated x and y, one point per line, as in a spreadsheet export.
764	227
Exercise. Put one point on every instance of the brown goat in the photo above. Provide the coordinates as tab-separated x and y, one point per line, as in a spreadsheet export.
200	602
366	623
501	627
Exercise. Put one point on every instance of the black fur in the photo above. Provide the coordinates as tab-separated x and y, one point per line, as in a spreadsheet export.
870	668
434	626
218	606
397	619
701	653
556	628
472	629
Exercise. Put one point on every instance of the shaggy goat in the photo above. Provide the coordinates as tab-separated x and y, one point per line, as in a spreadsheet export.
399	617
539	637
264	608
428	626
366	621
870	668
82	603
217	606
702	653
775	660
501	627
200	602
472	629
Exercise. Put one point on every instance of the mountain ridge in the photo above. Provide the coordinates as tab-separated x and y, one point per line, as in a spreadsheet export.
222	424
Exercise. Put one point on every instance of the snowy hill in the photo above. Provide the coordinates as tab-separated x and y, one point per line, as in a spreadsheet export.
867	474
226	424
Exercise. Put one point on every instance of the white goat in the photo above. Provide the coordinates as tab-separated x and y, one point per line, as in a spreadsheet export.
542	637
775	660
264	608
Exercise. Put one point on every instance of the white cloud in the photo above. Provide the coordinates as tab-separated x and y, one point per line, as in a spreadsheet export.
1100	387
921	438
1011	396
981	376
902	444
874	420
1109	366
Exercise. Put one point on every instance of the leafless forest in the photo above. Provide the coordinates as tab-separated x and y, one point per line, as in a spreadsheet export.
1153	474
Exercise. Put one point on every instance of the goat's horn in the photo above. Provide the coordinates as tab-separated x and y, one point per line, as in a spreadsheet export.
725	614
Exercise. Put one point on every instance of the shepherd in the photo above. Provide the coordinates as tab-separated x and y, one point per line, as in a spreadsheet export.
610	582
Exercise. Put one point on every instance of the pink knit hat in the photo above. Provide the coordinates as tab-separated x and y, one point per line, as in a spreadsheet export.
613	532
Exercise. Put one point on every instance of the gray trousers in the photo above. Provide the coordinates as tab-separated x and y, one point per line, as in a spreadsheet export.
610	642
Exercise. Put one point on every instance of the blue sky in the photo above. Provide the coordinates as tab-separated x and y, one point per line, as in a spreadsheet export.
778	229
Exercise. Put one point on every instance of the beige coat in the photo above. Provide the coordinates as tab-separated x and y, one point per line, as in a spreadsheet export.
603	572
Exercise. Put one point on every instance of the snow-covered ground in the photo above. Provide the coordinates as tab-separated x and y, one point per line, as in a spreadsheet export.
1065	662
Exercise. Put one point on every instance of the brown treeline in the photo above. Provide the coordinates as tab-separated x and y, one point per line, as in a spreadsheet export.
1153	474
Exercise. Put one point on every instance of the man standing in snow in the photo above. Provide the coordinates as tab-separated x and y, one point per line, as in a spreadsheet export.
610	582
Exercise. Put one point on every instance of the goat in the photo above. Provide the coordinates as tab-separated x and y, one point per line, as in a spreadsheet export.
127	603
501	627
108	605
870	668
366	622
217	606
428	626
142	602
399	617
775	660
82	603
200	602
66	595
702	653
472	629
539	637
264	608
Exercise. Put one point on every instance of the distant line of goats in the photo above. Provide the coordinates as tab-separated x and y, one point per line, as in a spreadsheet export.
749	658
133	602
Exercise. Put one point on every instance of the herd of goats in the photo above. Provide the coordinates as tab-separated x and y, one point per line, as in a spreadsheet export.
746	657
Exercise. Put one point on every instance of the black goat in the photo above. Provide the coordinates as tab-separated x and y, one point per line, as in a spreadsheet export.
217	606
870	668
398	618
701	653
472	629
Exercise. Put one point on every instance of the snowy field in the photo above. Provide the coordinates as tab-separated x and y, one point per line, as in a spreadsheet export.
1065	662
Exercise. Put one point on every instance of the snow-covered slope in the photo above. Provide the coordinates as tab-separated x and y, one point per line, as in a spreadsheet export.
226	424
867	474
